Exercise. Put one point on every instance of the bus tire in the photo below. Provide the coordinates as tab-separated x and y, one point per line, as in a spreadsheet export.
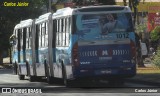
64	75
32	78
15	68
116	83
49	78
21	77
66	82
27	69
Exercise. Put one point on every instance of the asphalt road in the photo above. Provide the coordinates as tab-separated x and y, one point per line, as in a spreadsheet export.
8	80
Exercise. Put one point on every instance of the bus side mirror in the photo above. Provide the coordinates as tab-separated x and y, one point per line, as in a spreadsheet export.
12	40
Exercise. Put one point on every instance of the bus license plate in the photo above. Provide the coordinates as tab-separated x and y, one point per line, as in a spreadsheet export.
103	72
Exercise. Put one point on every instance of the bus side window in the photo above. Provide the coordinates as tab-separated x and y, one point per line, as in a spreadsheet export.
54	33
24	38
65	32
16	39
60	32
37	41
46	34
43	35
58	36
57	31
69	29
21	39
30	37
40	36
19	44
27	38
24	43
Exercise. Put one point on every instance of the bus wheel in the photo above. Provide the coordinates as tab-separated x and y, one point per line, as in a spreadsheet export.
49	78
21	77
64	76
27	69
115	83
15	68
32	78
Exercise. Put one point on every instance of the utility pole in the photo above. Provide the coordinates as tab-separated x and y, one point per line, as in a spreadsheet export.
50	3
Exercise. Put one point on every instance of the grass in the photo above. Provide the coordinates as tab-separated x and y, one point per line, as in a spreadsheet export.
148	70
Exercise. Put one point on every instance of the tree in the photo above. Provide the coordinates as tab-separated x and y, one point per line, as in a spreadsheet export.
125	3
107	2
133	5
156	58
92	2
10	16
155	37
155	34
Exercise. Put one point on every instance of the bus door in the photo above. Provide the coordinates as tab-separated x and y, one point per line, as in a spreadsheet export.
21	45
37	43
24	45
22	50
41	47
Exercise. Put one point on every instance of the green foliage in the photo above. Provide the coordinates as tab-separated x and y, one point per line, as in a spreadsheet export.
156	59
135	2
141	27
155	34
107	2
10	16
91	2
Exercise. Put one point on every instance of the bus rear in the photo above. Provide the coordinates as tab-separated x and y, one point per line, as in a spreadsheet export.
103	43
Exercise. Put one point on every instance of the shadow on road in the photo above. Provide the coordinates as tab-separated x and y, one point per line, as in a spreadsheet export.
6	71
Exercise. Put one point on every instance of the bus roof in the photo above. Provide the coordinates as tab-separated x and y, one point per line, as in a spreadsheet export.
104	8
43	18
63	12
24	23
90	9
17	26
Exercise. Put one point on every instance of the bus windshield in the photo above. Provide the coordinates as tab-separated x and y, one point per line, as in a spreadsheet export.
93	25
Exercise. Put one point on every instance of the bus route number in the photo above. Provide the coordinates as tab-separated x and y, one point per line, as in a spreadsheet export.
122	35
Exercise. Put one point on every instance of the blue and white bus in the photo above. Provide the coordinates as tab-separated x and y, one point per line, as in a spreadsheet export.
78	44
93	42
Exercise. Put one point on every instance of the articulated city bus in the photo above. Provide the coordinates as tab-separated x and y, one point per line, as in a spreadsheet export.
78	44
93	42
